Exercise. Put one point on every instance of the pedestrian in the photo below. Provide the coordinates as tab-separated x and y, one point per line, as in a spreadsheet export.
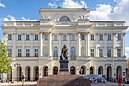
23	78
119	80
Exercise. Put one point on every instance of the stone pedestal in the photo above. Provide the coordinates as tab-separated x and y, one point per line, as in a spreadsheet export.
64	65
63	79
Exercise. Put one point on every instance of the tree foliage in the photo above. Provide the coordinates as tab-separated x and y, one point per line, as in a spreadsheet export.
4	60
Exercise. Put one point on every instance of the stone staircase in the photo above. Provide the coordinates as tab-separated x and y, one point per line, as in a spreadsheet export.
63	79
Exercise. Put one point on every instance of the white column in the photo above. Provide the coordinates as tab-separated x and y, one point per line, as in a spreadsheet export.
50	44
97	51
114	53
123	44
68	44
60	46
41	44
14	46
32	73
87	45
40	72
32	49
23	44
105	46
79	44
14	72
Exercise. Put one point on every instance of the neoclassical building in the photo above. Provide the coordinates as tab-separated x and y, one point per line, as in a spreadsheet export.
96	47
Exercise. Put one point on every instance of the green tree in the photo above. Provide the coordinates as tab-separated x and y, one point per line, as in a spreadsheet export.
4	60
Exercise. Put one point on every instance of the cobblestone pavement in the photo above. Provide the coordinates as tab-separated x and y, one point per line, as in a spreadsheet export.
35	84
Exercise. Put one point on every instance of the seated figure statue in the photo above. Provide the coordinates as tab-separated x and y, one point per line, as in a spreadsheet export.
64	53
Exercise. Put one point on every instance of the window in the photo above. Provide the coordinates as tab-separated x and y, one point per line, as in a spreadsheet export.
118	36
64	18
36	36
55	37
9	36
55	53
27	52
27	37
108	52
109	37
92	52
19	52
19	36
45	37
73	53
9	52
36	52
72	37
118	52
64	37
92	37
100	52
82	37
101	37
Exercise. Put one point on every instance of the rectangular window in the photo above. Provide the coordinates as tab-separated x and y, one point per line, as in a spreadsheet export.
82	37
19	36
64	37
55	37
36	52
118	52
100	52
118	36
92	37
108	52
36	36
9	36
19	52
109	37
101	37
72	37
27	37
92	52
9	52
27	52
45	37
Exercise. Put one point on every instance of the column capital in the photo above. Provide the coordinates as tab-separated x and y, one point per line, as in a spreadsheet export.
32	33
123	34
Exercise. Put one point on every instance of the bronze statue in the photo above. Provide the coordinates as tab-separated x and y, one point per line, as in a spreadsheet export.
64	53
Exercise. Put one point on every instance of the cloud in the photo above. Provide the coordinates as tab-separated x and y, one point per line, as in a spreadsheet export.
52	4
70	3
2	5
75	4
12	18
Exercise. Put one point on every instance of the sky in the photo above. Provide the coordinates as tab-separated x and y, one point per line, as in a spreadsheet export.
26	10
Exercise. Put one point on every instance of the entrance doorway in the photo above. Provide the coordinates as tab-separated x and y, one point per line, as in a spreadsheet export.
118	71
45	71
72	70
55	70
27	73
109	73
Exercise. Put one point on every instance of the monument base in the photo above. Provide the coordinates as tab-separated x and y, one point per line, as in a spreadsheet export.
63	79
64	65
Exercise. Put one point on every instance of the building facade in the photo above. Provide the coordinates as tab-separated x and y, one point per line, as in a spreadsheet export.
95	47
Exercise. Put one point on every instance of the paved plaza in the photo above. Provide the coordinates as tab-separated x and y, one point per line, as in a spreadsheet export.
35	84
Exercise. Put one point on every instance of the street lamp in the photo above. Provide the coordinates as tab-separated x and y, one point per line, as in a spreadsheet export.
17	65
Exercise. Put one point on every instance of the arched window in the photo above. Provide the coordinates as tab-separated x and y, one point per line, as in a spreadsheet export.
64	18
55	53
73	53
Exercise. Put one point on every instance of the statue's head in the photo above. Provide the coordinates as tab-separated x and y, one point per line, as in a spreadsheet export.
64	46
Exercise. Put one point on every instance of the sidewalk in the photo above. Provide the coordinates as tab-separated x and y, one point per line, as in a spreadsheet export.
19	84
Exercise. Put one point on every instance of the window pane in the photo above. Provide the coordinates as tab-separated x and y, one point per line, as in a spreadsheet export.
92	37
36	36
19	53
109	37
45	37
119	36
19	36
9	52
27	52
101	37
64	37
27	37
73	53
9	36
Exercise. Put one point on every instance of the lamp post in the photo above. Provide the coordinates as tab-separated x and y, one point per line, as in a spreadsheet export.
17	65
